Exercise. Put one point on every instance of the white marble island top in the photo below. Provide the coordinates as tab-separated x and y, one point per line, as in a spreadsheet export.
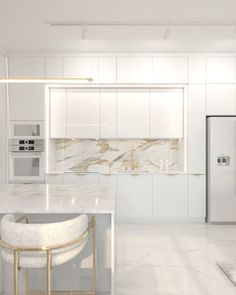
65	198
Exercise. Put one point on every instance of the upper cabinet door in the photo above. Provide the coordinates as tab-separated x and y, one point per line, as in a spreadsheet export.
53	67
80	67
58	113
221	99
26	67
107	69
108	113
26	102
197	69
134	69
196	129
83	113
167	113
133	113
221	70
170	70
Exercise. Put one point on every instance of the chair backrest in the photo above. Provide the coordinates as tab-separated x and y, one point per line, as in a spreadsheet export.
42	235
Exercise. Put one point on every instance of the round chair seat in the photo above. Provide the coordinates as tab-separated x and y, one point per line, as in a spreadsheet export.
23	236
39	260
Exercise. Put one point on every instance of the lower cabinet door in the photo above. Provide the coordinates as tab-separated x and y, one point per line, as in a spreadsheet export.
134	196
80	179
197	195
170	196
53	179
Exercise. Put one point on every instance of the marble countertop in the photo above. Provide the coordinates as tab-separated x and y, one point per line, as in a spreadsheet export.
65	198
119	173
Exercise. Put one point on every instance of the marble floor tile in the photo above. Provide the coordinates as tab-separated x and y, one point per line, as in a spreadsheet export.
173	259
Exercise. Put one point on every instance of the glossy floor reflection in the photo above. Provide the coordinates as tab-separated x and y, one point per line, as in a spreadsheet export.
173	259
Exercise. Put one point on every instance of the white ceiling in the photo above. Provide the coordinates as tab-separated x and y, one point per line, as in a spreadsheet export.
24	26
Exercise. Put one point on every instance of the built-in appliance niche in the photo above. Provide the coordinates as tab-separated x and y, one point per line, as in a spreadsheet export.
115	155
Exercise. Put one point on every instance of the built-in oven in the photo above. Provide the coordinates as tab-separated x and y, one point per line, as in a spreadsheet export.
26	129
26	161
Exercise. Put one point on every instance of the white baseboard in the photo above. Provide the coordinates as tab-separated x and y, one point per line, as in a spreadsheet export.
162	220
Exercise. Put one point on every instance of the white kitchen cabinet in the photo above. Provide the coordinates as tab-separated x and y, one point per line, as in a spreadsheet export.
108	113
53	67
133	113
26	67
26	102
134	69
197	195
170	196
221	69
83	113
3	134
53	179
107	69
170	70
3	66
108	180
167	113
81	67
197	69
134	196
57	116
84	179
196	139
221	99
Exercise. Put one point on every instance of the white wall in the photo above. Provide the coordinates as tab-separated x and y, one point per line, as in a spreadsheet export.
3	123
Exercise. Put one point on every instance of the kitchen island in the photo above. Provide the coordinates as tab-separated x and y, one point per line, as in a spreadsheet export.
51	203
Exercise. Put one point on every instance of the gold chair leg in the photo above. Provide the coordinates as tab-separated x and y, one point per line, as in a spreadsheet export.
26	281
16	266
49	258
94	256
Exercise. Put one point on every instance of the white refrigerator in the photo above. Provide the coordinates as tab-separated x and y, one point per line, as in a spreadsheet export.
221	172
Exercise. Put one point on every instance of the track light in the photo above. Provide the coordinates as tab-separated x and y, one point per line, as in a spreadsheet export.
166	33
84	32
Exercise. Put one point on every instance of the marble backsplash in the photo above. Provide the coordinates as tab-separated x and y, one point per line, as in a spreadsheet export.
115	155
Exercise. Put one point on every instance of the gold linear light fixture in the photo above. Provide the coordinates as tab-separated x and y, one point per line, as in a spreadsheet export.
46	80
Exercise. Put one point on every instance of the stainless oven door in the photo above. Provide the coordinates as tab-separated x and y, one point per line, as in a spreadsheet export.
26	167
26	129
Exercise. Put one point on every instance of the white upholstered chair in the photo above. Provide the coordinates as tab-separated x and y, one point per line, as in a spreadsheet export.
45	245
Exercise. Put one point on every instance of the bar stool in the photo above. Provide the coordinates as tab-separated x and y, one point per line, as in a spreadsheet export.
45	245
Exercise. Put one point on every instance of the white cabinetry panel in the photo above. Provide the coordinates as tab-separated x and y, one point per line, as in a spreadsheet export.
53	179
221	99
108	113
134	196
3	72
132	69
27	102
170	196
58	113
221	70
170	70
80	67
108	180
26	67
83	113
167	113
107	70
196	129
85	179
197	69
3	132
197	195
133	114
53	67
